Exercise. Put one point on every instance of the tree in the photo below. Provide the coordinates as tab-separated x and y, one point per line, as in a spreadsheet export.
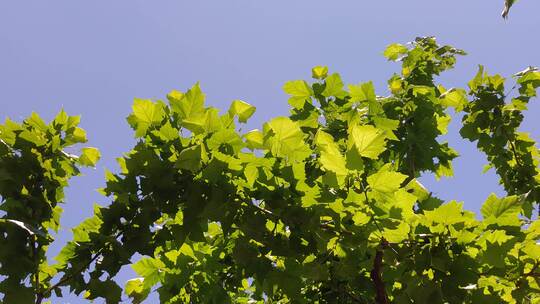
322	206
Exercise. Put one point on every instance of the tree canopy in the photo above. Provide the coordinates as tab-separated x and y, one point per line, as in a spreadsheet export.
321	206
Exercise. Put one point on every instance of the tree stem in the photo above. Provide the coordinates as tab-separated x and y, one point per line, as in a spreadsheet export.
35	252
380	291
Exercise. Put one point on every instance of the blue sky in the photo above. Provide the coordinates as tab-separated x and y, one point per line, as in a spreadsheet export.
92	58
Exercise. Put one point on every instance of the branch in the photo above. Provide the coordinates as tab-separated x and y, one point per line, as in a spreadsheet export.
513	147
380	292
276	217
531	272
67	277
263	210
35	252
333	228
5	144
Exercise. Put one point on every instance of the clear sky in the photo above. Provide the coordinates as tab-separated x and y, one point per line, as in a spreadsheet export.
93	57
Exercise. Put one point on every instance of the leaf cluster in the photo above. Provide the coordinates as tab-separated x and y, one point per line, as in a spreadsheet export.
34	170
321	206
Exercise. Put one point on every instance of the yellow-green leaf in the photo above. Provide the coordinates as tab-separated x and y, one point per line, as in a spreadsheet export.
367	140
243	109
89	156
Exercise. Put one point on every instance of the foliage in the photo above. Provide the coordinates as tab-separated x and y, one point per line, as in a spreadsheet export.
322	206
34	169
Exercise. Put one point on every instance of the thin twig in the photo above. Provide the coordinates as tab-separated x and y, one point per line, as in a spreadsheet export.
68	277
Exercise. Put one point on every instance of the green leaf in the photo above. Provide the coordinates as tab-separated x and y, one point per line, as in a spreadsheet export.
360	218
367	140
388	126
333	162
61	119
478	79
417	189
300	92
145	114
502	211
447	214
251	173
107	289
7	132
284	138
89	156
232	162
254	139
331	158
33	137
531	76
532	249
82	232
498	237
395	50
386	181
191	158
442	123
397	235
187	251
420	90
150	270
190	104
404	204
54	222
175	96
362	92
319	72
134	288
243	109
208	121
334	87
354	160
78	135
195	123
67	253
167	132
226	138
35	121
455	98
73	121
